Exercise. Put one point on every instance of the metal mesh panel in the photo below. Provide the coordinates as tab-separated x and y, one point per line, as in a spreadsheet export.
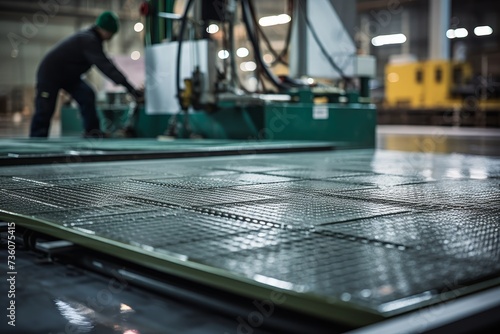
380	180
461	234
313	174
368	228
351	271
64	197
163	228
327	187
10	202
306	210
445	194
219	181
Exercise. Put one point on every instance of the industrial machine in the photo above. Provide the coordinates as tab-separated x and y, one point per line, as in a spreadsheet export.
195	88
442	86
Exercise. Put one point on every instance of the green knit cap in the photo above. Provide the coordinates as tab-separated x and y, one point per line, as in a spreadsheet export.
108	21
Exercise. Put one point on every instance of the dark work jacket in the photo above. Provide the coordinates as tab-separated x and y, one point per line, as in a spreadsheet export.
75	55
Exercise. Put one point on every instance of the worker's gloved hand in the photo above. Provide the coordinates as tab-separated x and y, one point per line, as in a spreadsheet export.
138	95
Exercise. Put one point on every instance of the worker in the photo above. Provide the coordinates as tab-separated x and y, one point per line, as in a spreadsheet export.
63	67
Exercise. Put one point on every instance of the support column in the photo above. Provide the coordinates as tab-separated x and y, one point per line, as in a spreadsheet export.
298	45
440	12
364	35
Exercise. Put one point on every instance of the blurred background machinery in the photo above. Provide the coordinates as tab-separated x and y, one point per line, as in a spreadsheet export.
395	33
218	76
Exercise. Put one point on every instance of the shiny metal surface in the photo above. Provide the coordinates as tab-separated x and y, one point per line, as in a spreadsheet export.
377	231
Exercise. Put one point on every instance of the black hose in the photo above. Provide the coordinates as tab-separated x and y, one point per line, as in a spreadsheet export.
284	52
278	56
258	56
179	51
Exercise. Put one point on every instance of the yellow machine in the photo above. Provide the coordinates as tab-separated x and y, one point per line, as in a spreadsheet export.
404	85
426	85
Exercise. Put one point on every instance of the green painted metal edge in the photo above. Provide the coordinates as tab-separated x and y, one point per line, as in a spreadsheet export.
333	309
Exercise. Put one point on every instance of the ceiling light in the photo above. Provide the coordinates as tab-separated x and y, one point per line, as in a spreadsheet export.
388	39
461	33
267	21
135	55
268	58
138	27
212	29
242	52
450	33
248	66
483	31
223	54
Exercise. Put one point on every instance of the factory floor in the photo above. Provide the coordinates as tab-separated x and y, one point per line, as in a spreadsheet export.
424	139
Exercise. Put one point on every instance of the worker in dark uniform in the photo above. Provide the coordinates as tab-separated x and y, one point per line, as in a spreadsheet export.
62	68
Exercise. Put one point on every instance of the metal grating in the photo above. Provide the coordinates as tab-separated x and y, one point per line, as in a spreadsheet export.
366	228
326	187
445	194
306	211
368	274
315	174
218	181
381	180
158	228
457	233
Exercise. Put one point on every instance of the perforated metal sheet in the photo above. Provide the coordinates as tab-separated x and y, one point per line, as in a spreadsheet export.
381	232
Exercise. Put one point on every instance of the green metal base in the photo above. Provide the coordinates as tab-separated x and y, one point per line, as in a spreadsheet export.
353	124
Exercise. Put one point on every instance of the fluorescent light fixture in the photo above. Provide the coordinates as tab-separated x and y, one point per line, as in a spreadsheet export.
457	33
267	21
135	55
138	27
483	31
461	33
242	52
248	66
450	33
223	54
388	39
212	29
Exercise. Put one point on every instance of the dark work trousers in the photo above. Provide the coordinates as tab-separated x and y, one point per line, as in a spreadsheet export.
45	104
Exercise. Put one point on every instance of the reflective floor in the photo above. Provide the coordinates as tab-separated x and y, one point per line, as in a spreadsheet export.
428	139
17	125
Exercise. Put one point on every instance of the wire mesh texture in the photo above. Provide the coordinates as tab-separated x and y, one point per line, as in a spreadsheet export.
369	228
